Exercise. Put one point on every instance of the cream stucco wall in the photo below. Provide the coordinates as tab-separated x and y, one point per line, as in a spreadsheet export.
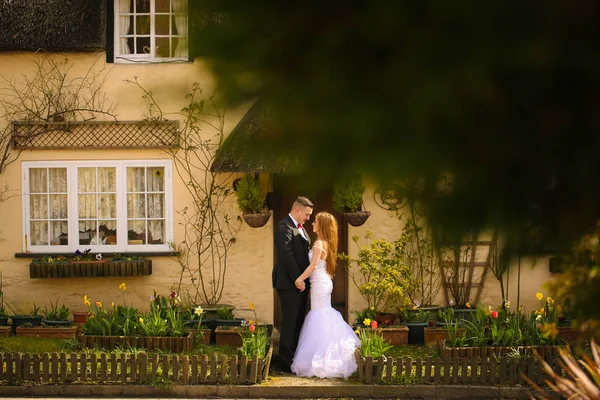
251	257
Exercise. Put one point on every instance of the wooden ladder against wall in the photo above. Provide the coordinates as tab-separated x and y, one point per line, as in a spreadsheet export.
470	263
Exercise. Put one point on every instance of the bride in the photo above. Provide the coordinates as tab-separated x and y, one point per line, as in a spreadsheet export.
327	343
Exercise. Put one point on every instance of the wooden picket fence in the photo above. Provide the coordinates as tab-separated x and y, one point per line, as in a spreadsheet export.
458	370
132	368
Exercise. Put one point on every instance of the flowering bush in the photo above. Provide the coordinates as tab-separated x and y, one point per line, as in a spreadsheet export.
380	274
254	338
372	343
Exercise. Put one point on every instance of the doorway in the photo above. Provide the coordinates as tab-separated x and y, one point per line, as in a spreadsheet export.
286	188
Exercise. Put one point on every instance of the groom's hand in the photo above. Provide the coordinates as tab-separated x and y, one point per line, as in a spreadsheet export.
300	285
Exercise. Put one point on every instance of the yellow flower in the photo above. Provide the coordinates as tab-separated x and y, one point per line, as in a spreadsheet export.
250	322
141	320
367	322
99	304
468	305
414	307
113	304
87	302
549	300
539	295
372	308
252	306
549	330
198	310
357	332
123	286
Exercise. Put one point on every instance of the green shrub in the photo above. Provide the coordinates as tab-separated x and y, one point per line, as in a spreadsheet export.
249	197
347	195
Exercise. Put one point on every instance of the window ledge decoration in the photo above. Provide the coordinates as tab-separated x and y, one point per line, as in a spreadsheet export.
89	269
95	134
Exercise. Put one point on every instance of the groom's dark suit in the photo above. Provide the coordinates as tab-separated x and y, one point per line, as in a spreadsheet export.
292	260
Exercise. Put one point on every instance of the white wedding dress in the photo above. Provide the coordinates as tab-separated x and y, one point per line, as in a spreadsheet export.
327	343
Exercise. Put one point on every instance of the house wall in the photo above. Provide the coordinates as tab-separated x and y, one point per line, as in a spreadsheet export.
250	260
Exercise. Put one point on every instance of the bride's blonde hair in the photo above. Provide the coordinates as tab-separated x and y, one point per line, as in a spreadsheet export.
328	232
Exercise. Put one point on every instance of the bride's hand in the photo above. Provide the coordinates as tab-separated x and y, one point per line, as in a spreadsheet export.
299	284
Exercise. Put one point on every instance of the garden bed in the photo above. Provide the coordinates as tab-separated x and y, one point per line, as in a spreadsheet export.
483	352
433	336
174	344
68	332
88	269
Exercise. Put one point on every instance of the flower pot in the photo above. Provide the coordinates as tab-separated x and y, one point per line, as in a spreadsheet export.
3	321
386	319
18	320
47	332
257	220
465	314
416	332
80	317
57	323
357	218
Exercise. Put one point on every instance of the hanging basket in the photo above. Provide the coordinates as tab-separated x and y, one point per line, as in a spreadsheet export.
357	218
257	220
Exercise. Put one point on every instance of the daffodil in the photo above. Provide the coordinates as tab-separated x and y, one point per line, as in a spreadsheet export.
199	310
141	320
123	286
539	295
550	300
468	305
357	332
99	304
367	322
251	305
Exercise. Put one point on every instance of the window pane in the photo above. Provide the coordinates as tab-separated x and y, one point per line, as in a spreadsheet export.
156	205
38	180
58	233
162	24
58	180
87	230
163	47
107	179
156	232
86	180
142	24
108	230
135	179
108	206
39	233
136	206
87	205
58	206
38	206
136	232
156	179
163	6
142	6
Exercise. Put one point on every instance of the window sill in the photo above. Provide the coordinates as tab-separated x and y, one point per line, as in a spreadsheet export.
148	254
89	269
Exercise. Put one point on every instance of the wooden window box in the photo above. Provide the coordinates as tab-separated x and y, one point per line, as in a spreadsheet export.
89	269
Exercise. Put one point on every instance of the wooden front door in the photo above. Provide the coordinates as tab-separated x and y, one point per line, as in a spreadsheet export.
286	188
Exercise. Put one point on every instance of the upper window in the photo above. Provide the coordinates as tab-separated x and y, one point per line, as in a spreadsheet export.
104	206
151	30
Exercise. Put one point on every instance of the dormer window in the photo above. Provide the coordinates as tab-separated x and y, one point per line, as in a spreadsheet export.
151	30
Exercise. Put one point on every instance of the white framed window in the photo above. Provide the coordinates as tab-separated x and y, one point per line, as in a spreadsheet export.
151	30
105	206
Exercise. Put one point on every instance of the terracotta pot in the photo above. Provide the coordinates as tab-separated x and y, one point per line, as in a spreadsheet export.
80	317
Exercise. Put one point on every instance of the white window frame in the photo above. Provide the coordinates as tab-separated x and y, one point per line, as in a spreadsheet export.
151	56
122	245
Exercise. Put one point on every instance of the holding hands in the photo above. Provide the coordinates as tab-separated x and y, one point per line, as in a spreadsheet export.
300	285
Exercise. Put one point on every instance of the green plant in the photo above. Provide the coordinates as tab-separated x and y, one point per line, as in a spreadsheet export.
51	259
223	313
3	312
55	313
254	337
126	257
379	273
372	343
347	195
414	314
249	197
365	315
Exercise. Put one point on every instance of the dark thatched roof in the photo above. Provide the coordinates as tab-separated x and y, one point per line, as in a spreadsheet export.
246	148
56	25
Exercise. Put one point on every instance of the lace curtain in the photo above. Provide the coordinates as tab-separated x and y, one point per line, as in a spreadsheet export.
145	205
181	23
97	204
48	206
124	23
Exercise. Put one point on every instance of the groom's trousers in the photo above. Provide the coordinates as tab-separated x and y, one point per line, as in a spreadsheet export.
293	310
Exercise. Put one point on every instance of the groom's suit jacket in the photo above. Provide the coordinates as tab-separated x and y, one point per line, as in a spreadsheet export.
292	254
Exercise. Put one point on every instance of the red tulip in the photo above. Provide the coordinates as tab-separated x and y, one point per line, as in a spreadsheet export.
374	324
494	314
252	328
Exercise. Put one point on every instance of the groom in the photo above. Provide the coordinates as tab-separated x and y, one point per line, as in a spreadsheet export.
291	243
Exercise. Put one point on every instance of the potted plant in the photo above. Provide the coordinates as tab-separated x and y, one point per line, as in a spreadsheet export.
347	199
380	275
56	316
33	318
416	321
251	201
3	313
